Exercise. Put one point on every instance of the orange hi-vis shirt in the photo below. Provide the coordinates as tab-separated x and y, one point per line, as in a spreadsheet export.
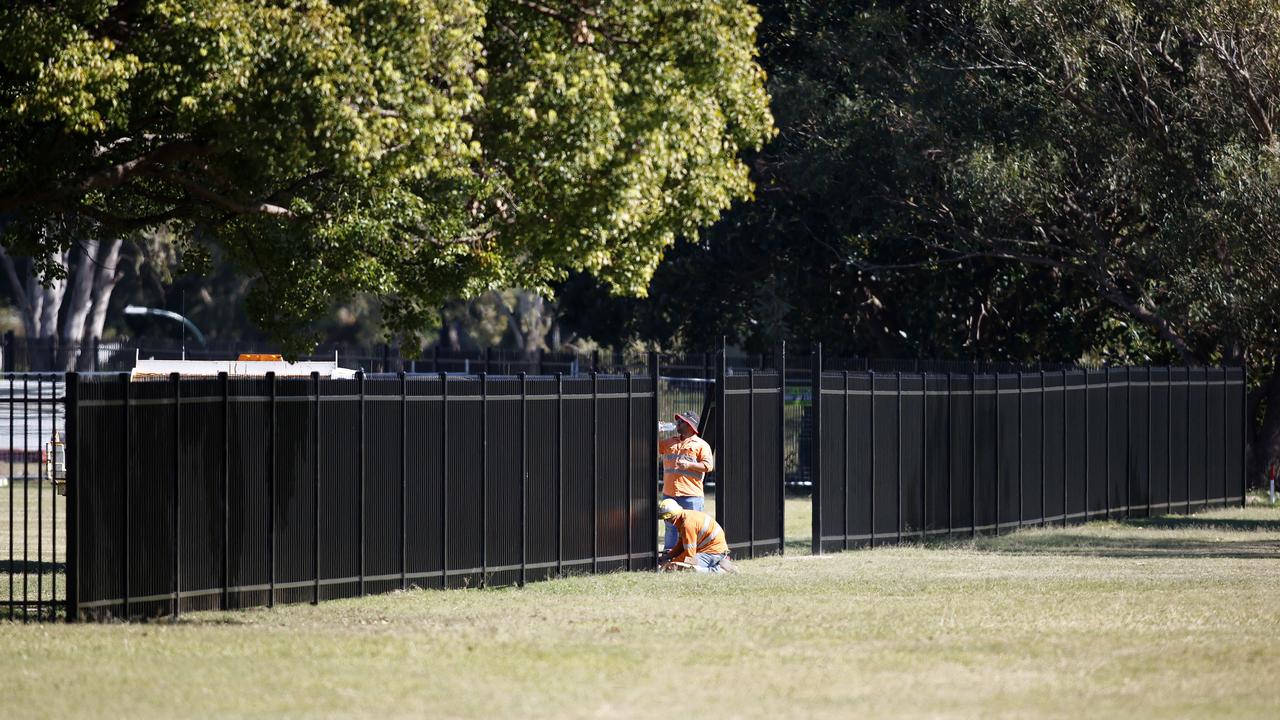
683	483
699	533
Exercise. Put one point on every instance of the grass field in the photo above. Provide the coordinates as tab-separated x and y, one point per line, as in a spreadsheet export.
37	527
1168	617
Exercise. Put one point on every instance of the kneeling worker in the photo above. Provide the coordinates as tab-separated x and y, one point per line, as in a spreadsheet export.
701	543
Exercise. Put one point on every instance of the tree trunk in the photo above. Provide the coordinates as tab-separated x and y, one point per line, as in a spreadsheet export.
80	302
105	277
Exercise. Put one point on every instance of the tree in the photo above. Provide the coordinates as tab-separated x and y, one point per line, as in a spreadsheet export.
410	149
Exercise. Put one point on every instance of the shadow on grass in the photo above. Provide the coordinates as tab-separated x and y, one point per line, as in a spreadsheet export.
31	567
1129	546
1192	522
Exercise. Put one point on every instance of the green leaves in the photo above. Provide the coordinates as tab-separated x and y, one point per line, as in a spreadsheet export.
417	149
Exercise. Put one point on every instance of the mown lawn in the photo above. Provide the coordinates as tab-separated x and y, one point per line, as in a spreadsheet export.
1177	616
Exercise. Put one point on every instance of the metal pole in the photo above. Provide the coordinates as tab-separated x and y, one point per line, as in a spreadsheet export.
1128	439
924	453
40	498
225	384
996	434
560	472
1021	447
1044	409
1088	467
722	429
271	494
844	442
1168	442
524	475
127	499
360	382
815	449
898	377
782	444
1186	445
595	467
871	495
1149	435
8	358
751	460
315	478
651	452
973	450
444	481
631	491
177	493
484	472
72	414
404	481
1106	447
950	460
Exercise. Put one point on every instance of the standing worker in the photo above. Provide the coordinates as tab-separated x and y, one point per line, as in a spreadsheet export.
686	460
701	546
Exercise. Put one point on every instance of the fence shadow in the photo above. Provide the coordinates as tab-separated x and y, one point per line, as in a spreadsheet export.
1179	522
1130	546
31	567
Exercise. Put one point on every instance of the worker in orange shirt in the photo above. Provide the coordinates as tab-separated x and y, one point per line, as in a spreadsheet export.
686	460
701	543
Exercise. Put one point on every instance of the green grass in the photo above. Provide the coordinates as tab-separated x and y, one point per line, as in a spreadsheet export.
31	541
1164	617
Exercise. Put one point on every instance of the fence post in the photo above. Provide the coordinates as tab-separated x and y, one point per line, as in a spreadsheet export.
72	414
271	492
524	477
1128	440
315	477
1021	446
1150	392
898	379
176	379
1244	434
924	453
815	449
225	384
751	462
871	494
1168	439
1044	409
444	480
1204	474
1088	468
484	472
128	515
404	480
1066	480
722	430
995	434
560	474
950	461
651	453
595	453
782	447
631	491
844	441
360	383
1106	447
973	451
1186	445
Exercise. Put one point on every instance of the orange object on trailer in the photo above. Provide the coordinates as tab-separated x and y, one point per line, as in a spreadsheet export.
259	357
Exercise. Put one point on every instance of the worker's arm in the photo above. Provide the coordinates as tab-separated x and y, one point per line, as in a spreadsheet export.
705	463
686	548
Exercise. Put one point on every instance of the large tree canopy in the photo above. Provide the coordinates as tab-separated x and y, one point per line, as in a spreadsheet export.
416	149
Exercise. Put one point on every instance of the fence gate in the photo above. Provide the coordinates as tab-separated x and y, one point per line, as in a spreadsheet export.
32	511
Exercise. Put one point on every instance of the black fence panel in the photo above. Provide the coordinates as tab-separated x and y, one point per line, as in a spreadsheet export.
963	468
1031	477
903	455
201	493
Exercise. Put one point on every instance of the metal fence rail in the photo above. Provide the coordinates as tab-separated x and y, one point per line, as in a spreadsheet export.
198	494
905	455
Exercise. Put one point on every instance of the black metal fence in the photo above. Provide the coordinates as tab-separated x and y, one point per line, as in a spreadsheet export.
906	455
222	493
192	494
32	513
